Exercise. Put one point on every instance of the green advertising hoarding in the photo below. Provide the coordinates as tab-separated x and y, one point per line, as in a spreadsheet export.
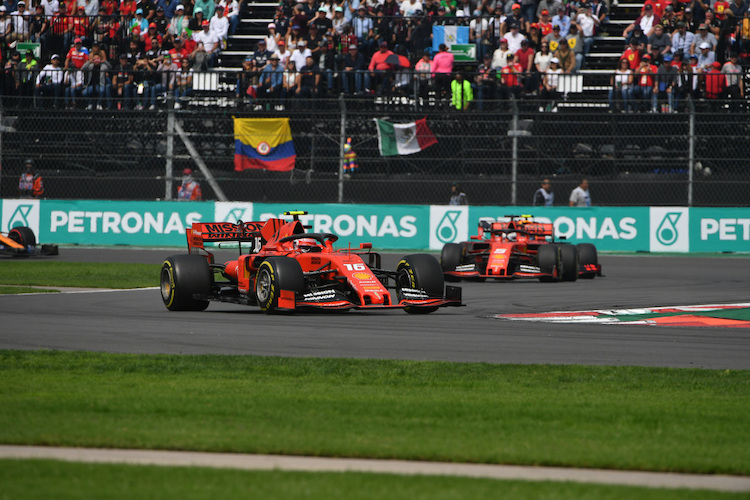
402	227
90	222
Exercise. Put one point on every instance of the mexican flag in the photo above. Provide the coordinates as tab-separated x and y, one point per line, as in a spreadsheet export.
403	138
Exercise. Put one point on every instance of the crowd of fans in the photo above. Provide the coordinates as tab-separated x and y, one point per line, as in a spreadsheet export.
681	50
129	54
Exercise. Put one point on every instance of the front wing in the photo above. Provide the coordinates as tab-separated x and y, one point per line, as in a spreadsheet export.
336	301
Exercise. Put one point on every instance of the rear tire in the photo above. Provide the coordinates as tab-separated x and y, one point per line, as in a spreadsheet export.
549	258
569	254
450	258
23	236
182	278
420	271
276	274
587	255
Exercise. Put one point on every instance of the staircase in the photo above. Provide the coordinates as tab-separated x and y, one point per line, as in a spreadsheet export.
252	27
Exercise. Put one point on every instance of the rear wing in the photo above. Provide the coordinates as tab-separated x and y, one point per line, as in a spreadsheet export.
523	224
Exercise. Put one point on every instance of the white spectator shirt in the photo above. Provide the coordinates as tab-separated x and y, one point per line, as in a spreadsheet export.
50	7
220	26
299	56
20	22
210	40
50	75
514	41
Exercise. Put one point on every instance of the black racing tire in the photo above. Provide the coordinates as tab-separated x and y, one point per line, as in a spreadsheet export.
549	257
587	255
182	278
276	274
420	271
450	258
569	254
23	236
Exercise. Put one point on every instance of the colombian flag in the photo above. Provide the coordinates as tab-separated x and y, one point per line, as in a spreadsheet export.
264	143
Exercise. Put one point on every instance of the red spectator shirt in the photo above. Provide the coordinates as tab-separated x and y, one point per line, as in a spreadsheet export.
128	7
720	9
633	57
77	57
80	25
715	84
378	61
645	76
545	28
509	74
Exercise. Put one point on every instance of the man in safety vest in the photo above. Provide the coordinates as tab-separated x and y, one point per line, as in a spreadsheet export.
30	184
190	190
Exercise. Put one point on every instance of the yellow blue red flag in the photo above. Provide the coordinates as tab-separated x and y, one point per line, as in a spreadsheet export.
263	143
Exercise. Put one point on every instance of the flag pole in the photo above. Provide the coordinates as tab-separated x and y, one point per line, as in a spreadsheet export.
342	139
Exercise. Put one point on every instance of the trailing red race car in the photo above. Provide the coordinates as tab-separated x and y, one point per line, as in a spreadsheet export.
21	242
286	268
518	247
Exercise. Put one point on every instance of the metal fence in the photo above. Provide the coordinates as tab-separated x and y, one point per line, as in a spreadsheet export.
499	154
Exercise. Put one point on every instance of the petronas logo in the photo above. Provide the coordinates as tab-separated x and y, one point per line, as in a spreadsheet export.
447	230
20	217
666	233
234	215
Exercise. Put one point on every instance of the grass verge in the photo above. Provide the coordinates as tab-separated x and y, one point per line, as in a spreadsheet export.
77	274
41	479
632	418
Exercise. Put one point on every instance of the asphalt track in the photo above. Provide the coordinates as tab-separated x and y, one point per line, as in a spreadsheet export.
136	321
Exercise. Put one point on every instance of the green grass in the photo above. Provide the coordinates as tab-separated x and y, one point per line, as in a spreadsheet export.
41	479
658	419
77	274
23	289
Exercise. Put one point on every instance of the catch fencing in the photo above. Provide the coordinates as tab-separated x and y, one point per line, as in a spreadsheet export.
499	155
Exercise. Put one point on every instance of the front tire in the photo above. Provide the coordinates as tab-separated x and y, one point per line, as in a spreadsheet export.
182	278
569	255
549	259
421	272
23	236
276	274
450	258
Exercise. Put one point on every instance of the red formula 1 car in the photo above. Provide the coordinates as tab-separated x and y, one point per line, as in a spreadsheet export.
518	247
287	268
21	242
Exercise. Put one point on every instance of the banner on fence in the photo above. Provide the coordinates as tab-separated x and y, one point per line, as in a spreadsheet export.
395	227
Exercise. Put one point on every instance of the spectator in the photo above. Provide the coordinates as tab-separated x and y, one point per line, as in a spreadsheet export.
525	57
190	189
30	185
566	57
643	85
183	83
479	34
140	22
168	7
669	20
514	37
659	43
208	7
666	81
703	37
233	11
553	39
732	70
271	79
550	83
519	21
73	86
715	85
160	21
11	81
575	43
300	54
219	25
500	56
308	80
562	21
685	84
283	53
622	83
587	23
458	197
49	83
97	82
77	56
363	29
544	197
706	58
380	69
640	38
211	43
646	21
290	80
682	39
144	80
20	24
601	14
510	79
327	64
461	93
26	70
38	24
353	66
247	81
485	82
423	75
199	58
179	50
580	196
442	68
272	38
178	25
632	55
122	84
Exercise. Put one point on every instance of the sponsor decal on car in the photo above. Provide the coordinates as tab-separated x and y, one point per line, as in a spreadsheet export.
413	294
466	267
319	296
529	269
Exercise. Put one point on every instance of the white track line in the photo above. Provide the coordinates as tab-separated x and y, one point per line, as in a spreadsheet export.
401	467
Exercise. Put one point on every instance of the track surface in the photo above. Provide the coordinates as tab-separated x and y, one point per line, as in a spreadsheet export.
137	322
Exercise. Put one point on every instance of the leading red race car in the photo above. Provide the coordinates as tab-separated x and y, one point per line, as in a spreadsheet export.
287	268
518	247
